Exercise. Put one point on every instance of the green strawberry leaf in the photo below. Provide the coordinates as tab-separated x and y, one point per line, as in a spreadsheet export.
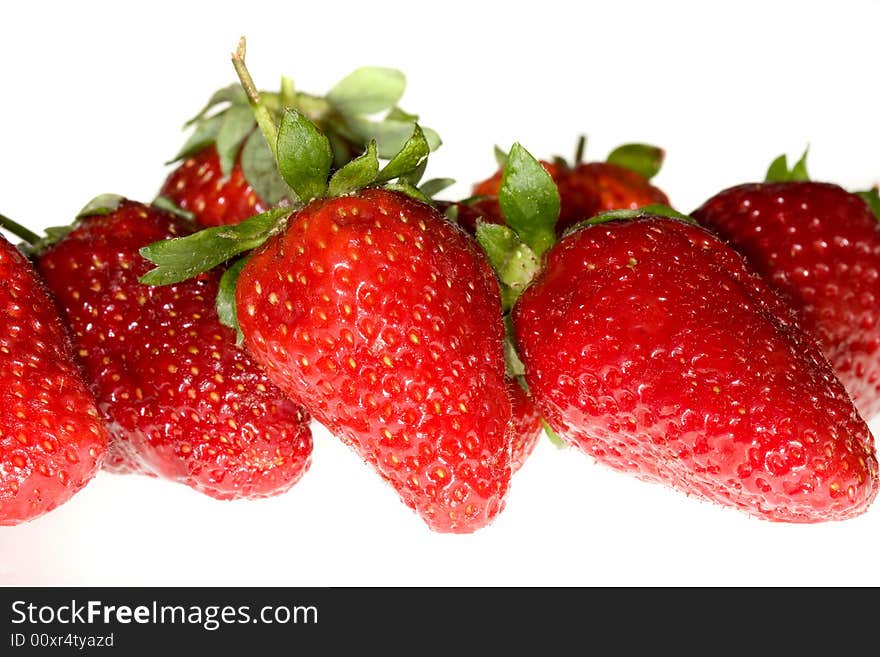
872	198
166	204
226	306
261	171
414	177
406	188
390	134
514	262
434	186
232	94
182	258
304	156
204	135
367	90
101	205
500	156
399	114
451	214
410	157
554	437
644	159
529	200
779	171
357	174
238	123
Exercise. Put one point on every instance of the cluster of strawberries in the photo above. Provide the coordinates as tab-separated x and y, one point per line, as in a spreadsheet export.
295	266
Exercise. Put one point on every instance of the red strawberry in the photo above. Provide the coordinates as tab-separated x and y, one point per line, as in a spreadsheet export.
183	402
525	428
651	346
199	186
52	441
588	188
382	318
819	245
385	322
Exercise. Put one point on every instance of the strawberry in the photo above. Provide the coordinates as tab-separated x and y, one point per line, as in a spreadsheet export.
379	316
52	441
588	188
624	336
182	401
198	186
819	245
227	170
382	326
628	351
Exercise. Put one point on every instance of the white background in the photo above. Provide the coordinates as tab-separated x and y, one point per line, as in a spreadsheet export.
92	100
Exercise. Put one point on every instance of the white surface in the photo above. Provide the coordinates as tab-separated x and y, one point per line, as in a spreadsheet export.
93	99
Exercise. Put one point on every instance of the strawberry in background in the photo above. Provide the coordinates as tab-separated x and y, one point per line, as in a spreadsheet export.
819	246
621	182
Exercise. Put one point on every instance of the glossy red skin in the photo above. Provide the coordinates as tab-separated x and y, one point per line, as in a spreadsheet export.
52	441
651	346
198	186
819	245
181	400
384	321
584	191
526	428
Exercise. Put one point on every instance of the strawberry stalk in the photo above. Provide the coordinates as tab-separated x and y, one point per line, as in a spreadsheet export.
261	112
18	230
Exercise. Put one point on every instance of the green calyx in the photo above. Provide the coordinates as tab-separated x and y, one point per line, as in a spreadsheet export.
872	198
644	159
530	204
303	157
304	148
779	170
183	258
360	109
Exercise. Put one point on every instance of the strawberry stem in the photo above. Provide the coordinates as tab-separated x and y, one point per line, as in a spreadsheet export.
579	150
18	230
264	117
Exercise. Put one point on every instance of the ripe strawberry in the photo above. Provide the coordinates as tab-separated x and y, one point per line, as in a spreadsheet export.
588	188
182	401
199	187
819	245
379	316
385	322
228	172
52	441
652	347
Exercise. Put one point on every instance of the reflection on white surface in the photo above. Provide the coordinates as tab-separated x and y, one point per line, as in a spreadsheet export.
567	522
